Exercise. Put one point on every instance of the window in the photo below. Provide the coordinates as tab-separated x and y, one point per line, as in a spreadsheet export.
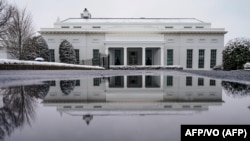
95	57
201	58
169	27
95	40
169	80
213	58
77	27
77	56
76	41
199	27
214	40
170	57
96	26
212	83
117	57
78	83
118	81
148	80
64	26
170	40
190	40
189	58
52	55
187	26
188	81
134	81
51	40
148	57
202	40
96	81
200	81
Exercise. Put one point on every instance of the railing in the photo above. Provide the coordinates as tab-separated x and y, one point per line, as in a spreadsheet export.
102	61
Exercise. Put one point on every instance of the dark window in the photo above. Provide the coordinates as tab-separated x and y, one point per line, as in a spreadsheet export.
134	81
188	81
64	26
212	82
201	58
96	81
78	83
52	55
169	27
118	81
95	57
189	58
148	57
117	57
148	80
77	56
96	26
77	27
199	27
213	58
170	57
169	80
200	81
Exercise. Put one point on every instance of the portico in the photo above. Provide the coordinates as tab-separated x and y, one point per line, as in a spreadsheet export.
136	56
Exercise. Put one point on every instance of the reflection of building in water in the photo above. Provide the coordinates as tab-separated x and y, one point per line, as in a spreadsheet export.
138	93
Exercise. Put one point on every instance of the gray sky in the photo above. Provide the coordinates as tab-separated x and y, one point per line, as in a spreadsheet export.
233	15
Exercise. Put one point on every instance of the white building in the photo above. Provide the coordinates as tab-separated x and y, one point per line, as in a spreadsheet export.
135	94
187	42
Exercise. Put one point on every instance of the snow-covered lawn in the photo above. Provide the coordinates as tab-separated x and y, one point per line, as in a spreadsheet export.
49	64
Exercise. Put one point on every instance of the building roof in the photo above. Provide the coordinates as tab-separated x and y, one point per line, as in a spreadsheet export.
132	20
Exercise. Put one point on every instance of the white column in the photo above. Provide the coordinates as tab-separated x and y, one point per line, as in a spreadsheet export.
162	56
161	81
125	56
106	50
143	56
125	81
143	81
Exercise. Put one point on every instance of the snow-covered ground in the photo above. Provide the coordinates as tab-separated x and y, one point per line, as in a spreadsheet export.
22	62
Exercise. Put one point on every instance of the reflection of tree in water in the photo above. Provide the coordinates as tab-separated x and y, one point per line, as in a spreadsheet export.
19	106
236	89
67	86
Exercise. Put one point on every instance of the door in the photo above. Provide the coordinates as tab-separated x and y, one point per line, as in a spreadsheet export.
117	57
133	58
148	57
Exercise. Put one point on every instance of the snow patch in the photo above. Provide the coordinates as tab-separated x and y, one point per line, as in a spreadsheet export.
22	62
247	66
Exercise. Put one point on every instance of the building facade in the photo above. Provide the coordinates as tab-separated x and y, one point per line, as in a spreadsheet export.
186	42
135	94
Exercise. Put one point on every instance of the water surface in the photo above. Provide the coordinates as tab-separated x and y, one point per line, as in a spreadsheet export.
131	107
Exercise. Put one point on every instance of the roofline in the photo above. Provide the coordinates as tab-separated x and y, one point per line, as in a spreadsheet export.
142	18
119	31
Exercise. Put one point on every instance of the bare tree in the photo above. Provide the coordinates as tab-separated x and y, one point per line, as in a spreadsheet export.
19	31
6	13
